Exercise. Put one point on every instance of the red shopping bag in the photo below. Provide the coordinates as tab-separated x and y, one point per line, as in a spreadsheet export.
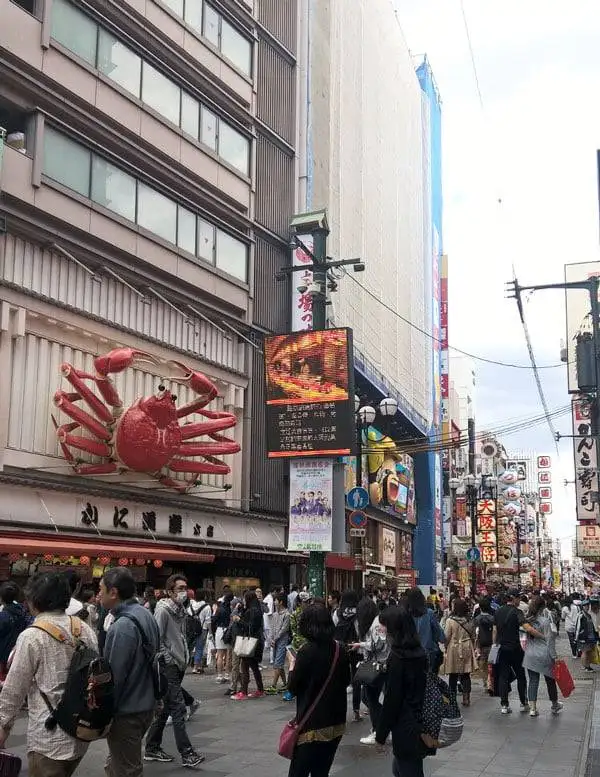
563	678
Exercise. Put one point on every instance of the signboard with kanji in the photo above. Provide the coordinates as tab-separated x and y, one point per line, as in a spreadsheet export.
588	542
584	448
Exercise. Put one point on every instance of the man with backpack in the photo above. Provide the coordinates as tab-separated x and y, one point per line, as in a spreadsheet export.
52	668
131	645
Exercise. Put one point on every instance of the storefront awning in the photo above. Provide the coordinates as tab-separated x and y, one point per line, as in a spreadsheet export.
77	547
338	561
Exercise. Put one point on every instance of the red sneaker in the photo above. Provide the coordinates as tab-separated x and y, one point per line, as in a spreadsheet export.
256	694
240	696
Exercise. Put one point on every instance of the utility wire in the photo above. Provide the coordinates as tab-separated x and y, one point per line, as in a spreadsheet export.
438	340
472	54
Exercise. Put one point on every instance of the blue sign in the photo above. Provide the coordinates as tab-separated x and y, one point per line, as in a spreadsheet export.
357	498
358	520
473	554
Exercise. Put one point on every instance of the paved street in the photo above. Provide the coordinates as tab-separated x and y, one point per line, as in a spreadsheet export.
240	739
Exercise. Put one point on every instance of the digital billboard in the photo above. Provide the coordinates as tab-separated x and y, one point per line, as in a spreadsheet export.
310	394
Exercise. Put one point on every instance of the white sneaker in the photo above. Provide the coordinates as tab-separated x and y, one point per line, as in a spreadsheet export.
218	679
556	708
370	740
505	710
524	708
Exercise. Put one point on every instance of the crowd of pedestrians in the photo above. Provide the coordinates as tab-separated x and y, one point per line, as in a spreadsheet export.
379	646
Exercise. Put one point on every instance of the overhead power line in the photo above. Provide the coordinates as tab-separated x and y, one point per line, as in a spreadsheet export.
430	335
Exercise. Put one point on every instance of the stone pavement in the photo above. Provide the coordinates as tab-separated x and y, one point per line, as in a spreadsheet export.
240	739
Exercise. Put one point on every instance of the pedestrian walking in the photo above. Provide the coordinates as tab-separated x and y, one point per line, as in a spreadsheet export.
570	614
428	626
586	636
401	714
170	617
540	655
130	647
38	673
250	623
320	666
347	633
14	619
376	649
220	622
484	628
460	661
281	636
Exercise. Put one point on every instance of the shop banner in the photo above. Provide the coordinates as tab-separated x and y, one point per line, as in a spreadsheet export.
302	315
584	448
389	548
588	542
311	498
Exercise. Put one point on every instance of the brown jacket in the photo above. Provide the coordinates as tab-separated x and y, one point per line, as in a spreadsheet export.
460	652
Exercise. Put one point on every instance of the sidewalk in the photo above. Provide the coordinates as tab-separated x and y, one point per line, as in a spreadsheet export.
240	739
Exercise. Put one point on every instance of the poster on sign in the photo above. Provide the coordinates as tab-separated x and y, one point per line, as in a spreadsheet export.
519	467
389	548
311	497
588	542
584	448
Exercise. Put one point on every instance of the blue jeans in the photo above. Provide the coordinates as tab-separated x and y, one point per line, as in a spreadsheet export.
200	645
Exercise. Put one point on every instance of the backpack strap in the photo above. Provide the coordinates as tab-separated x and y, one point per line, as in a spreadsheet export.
57	633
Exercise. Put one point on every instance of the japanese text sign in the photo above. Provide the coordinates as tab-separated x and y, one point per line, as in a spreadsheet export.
586	475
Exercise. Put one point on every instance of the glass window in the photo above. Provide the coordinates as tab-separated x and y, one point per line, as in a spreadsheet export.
119	63
175	5
74	30
67	162
232	255
206	241
233	147
161	93
113	188
186	230
208	135
210	28
190	115
157	213
193	14
236	47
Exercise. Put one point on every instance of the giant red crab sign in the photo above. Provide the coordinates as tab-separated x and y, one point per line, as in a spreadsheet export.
146	437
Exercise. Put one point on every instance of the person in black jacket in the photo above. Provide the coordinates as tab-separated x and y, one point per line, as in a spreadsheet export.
322	732
14	618
250	623
404	695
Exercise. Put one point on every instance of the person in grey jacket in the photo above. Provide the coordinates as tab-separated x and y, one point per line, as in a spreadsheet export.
170	616
540	655
134	687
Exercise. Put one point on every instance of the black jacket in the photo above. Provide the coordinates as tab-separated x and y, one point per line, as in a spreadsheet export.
13	620
310	673
251	625
403	703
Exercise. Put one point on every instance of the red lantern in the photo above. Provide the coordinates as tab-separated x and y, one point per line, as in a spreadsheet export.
140	562
13	557
157	563
65	558
84	561
104	560
123	562
48	557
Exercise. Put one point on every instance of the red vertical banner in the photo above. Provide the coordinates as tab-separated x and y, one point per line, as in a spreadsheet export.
444	364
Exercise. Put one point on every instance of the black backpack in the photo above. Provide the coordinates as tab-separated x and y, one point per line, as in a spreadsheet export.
155	660
86	709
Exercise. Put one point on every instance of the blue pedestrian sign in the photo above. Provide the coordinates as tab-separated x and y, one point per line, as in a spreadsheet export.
473	554
358	498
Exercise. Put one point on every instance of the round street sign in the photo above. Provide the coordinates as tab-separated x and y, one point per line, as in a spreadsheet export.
357	519
473	554
357	498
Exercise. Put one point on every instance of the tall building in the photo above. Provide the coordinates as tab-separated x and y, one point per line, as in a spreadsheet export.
369	173
147	182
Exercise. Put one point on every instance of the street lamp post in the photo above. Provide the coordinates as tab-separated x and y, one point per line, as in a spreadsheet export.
472	483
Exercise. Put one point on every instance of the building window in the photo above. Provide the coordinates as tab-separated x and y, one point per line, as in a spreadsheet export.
210	29
160	93
67	162
27	5
236	48
113	188
18	124
75	30
94	177
119	63
193	14
81	35
175	5
232	255
157	213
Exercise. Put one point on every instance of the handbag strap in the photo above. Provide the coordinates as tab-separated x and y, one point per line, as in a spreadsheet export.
312	707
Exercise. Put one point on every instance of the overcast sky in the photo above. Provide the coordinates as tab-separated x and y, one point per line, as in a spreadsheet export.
520	187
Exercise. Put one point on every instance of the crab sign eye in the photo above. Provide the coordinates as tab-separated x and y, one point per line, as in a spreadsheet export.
161	387
174	397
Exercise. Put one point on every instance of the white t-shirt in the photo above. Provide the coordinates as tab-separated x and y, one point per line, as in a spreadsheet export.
268	616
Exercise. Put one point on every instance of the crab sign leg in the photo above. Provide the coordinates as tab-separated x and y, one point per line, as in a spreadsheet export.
82	417
76	379
213	447
209	467
116	360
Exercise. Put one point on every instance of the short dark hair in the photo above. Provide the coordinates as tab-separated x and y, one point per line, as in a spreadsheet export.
203	595
87	595
72	579
335	595
460	608
315	624
485	604
48	592
10	592
401	627
170	584
415	602
122	580
251	600
281	597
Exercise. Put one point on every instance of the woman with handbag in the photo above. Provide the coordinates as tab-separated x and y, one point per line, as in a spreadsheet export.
428	627
460	659
318	678
250	646
540	655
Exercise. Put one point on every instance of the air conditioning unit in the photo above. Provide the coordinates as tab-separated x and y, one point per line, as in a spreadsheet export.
489	449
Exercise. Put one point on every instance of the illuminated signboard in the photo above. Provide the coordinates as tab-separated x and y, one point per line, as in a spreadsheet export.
310	394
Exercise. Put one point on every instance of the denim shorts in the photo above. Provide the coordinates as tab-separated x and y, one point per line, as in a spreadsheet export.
279	653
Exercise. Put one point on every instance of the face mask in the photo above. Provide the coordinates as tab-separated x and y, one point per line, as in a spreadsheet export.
181	597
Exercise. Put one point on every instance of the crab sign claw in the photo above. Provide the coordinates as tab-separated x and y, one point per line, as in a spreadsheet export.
198	382
119	359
